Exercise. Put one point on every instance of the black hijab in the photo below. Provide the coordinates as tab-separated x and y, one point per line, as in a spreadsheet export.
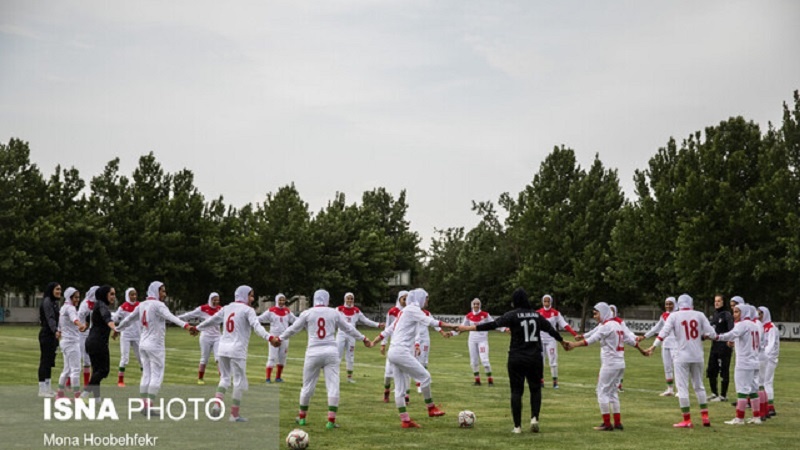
48	291
520	299
101	294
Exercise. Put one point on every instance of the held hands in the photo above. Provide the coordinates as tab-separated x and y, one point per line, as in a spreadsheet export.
578	338
58	335
114	335
639	338
275	341
368	343
193	331
383	349
417	351
566	345
82	327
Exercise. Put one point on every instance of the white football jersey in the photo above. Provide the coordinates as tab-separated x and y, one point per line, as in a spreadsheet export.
321	323
612	336
238	322
202	313
669	341
66	324
279	319
152	315
688	328
404	330
747	342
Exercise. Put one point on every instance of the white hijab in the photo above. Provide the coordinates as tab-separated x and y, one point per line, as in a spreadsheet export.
71	291
242	294
90	293
685	302
321	298
399	296
605	311
128	294
547	308
476	299
766	319
152	290
210	297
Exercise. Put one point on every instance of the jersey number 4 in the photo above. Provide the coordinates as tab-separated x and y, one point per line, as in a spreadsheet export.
530	335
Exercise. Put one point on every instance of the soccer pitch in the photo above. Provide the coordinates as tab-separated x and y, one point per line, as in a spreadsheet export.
567	417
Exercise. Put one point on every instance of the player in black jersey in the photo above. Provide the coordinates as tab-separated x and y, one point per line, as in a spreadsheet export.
524	354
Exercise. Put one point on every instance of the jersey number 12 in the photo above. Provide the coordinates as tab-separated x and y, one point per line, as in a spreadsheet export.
530	336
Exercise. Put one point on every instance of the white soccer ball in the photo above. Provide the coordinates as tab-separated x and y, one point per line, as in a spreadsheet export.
297	439
466	419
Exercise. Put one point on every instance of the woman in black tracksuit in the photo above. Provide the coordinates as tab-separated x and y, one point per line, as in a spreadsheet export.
524	354
97	342
48	342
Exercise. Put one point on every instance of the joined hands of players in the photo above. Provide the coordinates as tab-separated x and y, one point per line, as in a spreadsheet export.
275	341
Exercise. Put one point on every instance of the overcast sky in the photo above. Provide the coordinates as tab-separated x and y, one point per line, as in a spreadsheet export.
452	101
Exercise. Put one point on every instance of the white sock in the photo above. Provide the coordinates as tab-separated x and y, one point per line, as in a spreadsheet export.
47	384
41	386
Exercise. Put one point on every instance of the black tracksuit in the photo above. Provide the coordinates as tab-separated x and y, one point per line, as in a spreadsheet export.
719	360
524	355
97	346
48	344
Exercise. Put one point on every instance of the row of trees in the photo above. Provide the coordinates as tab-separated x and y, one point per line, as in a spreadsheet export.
719	213
128	231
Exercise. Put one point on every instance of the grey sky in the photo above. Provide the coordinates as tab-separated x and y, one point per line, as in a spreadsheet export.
453	101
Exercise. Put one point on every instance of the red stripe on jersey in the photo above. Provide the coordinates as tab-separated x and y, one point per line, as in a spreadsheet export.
279	311
210	310
547	313
128	306
348	311
665	315
472	317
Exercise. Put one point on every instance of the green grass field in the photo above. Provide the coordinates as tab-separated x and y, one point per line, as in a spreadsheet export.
567	417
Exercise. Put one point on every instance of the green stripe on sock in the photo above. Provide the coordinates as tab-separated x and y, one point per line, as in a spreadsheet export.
742	396
685	409
428	400
333	408
303	407
221	390
236	402
402	409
